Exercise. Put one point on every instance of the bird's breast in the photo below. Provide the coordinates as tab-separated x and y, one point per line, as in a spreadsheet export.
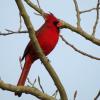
48	40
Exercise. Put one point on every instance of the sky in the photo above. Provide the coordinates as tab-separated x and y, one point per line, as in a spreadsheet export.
75	71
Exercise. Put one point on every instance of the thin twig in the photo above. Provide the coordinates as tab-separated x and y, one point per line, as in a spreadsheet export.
88	10
38	4
97	19
78	13
37	14
32	84
39	10
75	95
20	23
55	93
39	81
10	32
77	50
97	96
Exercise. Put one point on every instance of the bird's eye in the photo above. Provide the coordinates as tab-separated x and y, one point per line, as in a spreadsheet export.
55	23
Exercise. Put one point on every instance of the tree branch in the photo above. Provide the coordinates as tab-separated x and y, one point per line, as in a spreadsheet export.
88	10
39	51
97	96
97	19
75	95
40	84
81	32
24	89
77	13
10	32
20	23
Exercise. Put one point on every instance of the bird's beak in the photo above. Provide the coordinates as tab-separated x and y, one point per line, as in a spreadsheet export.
59	24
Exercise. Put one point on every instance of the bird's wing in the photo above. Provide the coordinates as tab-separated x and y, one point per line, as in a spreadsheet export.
26	50
28	47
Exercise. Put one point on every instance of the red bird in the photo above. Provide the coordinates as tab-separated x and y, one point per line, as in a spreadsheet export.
47	36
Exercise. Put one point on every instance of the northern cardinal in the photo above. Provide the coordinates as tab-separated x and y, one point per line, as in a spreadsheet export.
47	36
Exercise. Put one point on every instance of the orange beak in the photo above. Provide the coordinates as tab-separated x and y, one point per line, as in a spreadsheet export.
59	24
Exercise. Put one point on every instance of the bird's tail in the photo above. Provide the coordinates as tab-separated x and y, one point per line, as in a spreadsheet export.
25	71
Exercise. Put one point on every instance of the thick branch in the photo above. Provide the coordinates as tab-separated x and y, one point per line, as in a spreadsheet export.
39	51
81	32
24	89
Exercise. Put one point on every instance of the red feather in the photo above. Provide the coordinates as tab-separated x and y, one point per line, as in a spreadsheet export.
47	36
